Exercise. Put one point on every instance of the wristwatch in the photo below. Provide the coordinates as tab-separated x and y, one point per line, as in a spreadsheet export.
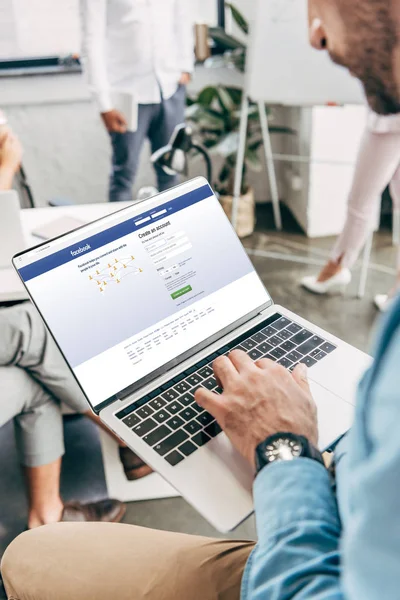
285	446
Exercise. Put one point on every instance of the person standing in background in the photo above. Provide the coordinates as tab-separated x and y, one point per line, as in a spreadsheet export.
137	54
378	165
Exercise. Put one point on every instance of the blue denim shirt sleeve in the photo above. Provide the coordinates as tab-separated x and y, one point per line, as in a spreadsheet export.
297	556
371	544
303	552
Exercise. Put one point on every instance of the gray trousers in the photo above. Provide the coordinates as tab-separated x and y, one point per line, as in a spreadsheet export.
155	122
34	380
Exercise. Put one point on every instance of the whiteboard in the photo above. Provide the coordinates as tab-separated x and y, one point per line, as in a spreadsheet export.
35	28
282	68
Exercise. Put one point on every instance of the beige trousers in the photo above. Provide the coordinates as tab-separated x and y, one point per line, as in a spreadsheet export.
105	561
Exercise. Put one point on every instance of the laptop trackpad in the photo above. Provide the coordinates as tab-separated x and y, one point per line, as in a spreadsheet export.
335	415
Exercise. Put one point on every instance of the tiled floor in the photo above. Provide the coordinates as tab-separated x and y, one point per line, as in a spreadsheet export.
348	318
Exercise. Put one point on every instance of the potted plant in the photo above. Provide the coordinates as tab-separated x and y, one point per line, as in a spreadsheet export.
215	115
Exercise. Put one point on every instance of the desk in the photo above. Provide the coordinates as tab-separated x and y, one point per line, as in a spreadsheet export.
11	289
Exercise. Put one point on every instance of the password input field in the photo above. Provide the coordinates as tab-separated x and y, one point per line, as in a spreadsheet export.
161	250
173	243
159	213
145	220
155	245
171	253
164	241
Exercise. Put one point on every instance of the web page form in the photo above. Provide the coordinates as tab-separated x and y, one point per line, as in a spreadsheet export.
128	299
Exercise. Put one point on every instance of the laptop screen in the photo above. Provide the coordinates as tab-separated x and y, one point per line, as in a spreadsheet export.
129	293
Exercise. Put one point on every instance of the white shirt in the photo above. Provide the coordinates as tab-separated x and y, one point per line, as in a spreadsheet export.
383	124
136	46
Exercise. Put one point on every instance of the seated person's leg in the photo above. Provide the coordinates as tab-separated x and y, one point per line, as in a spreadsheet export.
26	343
104	561
39	436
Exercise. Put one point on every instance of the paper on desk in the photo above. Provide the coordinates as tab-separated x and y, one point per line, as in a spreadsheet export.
57	227
127	104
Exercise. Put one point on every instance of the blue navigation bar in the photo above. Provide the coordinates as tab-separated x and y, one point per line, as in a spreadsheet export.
96	241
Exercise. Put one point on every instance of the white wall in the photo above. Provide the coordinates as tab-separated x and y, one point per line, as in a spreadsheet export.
205	11
66	148
67	152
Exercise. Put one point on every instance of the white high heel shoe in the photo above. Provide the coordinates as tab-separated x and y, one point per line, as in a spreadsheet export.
382	302
335	285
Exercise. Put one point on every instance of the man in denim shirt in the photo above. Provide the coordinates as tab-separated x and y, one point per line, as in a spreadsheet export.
319	537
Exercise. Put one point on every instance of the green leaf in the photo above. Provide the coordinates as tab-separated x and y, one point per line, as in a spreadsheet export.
211	133
207	95
254	142
252	112
253	161
237	59
228	145
190	100
210	143
192	111
214	113
205	117
225	100
281	129
225	173
235	94
207	122
239	19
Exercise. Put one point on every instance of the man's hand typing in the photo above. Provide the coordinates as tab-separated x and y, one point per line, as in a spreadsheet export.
259	399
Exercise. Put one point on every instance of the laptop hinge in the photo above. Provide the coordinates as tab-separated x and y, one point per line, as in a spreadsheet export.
129	391
97	409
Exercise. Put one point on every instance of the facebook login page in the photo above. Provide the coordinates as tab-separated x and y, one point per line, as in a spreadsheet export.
125	296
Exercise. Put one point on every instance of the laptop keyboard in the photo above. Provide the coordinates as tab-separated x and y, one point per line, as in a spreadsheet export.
174	425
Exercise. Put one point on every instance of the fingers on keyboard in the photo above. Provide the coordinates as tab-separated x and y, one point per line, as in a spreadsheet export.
170	421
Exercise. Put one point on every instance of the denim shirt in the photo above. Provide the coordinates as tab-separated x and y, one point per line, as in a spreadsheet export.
322	541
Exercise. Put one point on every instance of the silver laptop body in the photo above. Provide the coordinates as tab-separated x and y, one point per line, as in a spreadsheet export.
142	301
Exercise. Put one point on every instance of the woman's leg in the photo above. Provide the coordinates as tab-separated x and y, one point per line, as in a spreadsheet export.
377	162
395	195
103	561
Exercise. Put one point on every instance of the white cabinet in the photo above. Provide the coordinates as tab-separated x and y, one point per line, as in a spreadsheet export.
329	137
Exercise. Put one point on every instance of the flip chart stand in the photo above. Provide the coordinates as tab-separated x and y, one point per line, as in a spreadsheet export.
266	136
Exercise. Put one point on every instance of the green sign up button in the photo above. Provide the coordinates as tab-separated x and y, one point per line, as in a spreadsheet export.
181	292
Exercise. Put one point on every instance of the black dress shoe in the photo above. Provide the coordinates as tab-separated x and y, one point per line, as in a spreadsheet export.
109	511
134	467
3	595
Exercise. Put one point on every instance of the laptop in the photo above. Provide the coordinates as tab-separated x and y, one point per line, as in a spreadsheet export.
140	304
11	234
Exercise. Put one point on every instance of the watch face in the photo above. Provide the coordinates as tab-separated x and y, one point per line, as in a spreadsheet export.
283	449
